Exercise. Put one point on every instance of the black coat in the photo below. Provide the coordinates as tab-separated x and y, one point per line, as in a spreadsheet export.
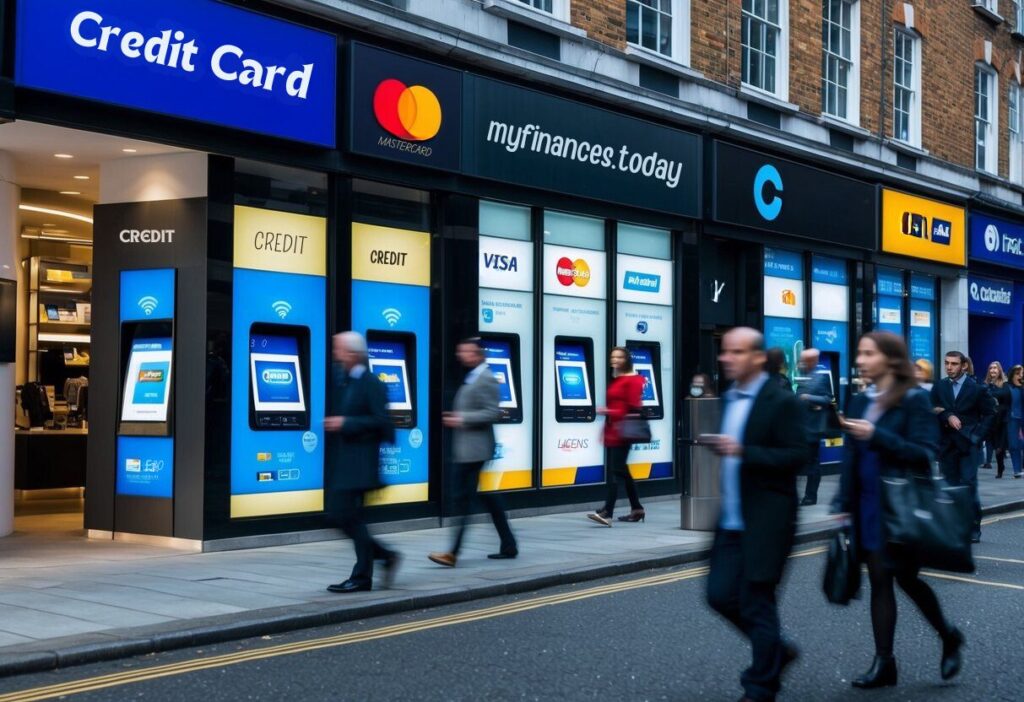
774	450
973	406
353	453
997	435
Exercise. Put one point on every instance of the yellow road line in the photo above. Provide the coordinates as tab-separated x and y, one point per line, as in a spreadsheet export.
1000	560
972	581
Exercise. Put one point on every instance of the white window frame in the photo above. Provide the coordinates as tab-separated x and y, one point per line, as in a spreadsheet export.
781	58
1018	17
1015	127
914	135
991	126
853	79
990	5
680	34
559	8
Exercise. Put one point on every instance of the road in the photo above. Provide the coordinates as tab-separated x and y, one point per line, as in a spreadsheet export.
642	637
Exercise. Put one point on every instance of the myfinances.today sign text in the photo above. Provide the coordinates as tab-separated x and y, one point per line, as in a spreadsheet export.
198	59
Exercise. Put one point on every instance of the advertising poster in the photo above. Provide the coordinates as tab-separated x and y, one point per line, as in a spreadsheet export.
922	330
145	466
391	307
923	228
278	361
784	304
147	382
889	301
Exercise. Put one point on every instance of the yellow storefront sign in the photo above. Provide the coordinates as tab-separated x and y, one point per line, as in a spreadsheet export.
923	228
282	242
389	255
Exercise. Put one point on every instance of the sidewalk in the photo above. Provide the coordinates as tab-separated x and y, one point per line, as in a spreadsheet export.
66	601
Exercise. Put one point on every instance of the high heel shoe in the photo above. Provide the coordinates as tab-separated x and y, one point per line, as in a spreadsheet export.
881	674
601	517
637	515
951	658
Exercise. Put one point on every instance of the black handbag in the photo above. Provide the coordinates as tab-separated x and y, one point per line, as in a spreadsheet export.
635	429
842	569
931	519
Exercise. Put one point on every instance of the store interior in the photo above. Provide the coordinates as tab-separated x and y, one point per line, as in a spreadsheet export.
57	175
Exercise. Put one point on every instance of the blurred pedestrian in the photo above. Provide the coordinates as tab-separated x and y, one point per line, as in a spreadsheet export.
475	410
995	442
892	433
624	398
925	373
966	418
1015	421
777	368
701	385
814	390
762	450
356	425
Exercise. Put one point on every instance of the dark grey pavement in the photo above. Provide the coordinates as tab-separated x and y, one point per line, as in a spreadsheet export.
642	637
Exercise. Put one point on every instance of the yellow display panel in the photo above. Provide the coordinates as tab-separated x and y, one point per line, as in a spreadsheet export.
923	228
283	242
273	503
389	255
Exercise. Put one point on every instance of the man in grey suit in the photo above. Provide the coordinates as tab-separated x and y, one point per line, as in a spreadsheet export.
814	391
474	413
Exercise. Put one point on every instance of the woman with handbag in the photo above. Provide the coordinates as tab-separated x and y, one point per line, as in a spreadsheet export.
624	393
995	442
1015	421
891	432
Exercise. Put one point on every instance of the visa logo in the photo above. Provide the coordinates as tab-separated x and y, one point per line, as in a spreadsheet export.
499	262
941	231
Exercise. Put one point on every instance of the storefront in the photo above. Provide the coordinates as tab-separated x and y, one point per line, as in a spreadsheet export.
996	291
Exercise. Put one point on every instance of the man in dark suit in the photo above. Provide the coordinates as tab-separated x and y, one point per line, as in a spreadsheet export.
358	422
474	412
965	419
762	449
814	390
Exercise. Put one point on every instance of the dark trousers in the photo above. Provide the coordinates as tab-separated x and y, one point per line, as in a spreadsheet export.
751	608
467	480
349	517
813	470
618	470
962	469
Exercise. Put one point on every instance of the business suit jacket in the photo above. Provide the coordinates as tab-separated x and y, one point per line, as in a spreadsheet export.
774	450
818	393
353	453
477	404
975	408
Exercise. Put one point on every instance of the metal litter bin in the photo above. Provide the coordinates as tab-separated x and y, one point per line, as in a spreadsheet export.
701	497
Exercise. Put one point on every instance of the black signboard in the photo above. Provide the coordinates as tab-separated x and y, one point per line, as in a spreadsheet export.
757	190
521	136
404	109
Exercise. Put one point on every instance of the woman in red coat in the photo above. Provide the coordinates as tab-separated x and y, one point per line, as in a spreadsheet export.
624	394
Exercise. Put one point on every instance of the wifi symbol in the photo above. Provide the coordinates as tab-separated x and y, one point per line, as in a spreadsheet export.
282	308
391	316
148	304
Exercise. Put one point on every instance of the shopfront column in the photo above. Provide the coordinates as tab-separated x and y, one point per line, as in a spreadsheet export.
954	317
9	228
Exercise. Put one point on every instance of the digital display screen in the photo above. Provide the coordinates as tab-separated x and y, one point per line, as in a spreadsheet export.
572	376
643	364
388	363
147	382
276	373
499	359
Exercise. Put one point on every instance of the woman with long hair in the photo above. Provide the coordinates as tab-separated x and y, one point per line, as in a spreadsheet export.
624	397
925	372
1015	421
892	432
777	368
995	443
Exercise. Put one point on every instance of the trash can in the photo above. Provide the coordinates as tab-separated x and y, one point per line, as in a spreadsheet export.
701	495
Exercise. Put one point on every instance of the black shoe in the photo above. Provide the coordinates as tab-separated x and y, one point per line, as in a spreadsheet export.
808	501
502	555
951	658
391	564
349	586
881	674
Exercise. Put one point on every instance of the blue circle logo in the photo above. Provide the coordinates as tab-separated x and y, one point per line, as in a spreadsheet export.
769	209
416	438
641	326
310	441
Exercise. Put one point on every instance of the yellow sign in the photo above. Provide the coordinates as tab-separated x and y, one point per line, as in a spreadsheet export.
283	242
923	228
388	255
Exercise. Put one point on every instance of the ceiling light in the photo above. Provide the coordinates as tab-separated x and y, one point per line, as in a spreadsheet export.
81	177
70	192
130	151
56	213
63	156
49	225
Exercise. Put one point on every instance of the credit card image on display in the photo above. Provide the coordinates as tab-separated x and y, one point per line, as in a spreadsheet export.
647	364
574	379
146	376
392	358
278	377
501	352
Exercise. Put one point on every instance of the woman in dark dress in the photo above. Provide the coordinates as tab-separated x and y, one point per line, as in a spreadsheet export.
892	432
995	380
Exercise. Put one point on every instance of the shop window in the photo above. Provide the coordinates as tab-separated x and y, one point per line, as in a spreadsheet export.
505	221
765	45
1016	137
556	8
906	117
280	188
573	230
840	75
784	306
644	241
661	26
986	147
390	205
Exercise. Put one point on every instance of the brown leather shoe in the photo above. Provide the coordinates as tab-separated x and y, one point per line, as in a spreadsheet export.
443	559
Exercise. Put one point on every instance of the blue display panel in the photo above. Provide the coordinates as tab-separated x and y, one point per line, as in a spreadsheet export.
147	294
888	312
276	373
922	330
147	381
388	361
499	360
922	286
643	364
779	263
828	270
786	334
145	466
571	371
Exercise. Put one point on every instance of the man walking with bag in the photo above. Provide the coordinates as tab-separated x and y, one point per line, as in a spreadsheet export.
475	410
762	449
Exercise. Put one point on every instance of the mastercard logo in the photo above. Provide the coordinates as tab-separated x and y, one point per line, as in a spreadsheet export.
407	112
570	272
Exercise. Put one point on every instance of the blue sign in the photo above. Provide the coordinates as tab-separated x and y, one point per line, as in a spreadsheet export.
890	282
147	294
997	241
783	264
643	282
922	330
922	287
989	297
145	466
197	59
786	334
828	270
767	207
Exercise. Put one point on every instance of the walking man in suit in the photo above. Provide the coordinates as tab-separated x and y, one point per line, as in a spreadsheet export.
358	422
965	420
475	410
762	449
814	390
